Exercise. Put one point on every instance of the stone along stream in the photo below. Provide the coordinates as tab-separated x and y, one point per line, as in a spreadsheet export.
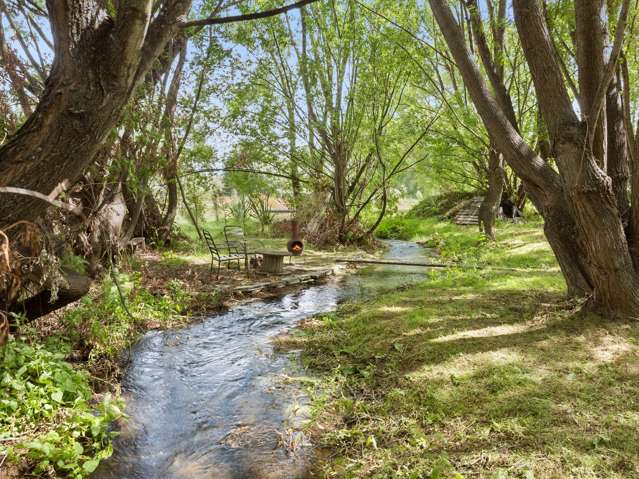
212	400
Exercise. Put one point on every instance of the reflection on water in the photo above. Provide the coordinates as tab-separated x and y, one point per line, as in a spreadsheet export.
209	400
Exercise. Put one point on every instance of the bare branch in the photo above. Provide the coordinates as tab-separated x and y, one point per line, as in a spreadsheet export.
246	17
244	170
76	210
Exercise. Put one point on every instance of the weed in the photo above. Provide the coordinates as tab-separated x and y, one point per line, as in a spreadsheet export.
46	415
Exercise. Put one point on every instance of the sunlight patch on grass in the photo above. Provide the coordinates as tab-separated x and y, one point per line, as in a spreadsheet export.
490	331
476	373
610	348
464	365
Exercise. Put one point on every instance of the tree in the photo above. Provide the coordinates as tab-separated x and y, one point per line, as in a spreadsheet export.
101	57
583	221
327	93
103	52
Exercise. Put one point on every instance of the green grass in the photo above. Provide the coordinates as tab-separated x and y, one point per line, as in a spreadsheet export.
475	373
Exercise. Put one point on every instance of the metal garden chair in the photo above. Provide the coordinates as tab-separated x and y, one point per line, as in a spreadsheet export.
217	256
237	243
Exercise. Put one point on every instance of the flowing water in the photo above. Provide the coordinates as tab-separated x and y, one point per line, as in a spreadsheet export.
213	400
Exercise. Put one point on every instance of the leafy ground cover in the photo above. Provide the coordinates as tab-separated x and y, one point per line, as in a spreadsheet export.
59	389
50	423
475	372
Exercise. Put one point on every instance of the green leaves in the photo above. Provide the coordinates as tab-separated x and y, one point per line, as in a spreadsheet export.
46	403
90	466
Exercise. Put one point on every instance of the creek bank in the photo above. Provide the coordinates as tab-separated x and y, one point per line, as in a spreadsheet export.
474	373
159	292
219	395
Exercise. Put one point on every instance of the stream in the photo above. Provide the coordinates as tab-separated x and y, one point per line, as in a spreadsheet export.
213	400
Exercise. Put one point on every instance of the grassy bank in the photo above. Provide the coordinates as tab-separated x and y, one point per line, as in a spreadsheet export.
475	373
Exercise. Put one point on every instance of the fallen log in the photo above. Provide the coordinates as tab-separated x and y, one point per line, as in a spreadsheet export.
435	265
77	285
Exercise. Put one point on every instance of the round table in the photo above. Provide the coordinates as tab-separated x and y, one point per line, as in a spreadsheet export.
273	261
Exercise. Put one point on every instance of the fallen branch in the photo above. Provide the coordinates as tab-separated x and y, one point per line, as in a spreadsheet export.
437	265
36	306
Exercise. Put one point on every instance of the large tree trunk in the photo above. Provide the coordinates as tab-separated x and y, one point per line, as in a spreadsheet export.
589	189
597	256
98	63
75	287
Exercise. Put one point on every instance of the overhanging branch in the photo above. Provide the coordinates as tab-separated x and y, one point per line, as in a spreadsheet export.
244	170
246	17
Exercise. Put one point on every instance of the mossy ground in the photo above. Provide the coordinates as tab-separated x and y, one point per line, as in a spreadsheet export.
475	373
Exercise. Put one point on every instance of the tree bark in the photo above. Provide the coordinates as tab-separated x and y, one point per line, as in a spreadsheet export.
98	63
542	183
618	160
36	306
170	148
590	35
589	189
490	206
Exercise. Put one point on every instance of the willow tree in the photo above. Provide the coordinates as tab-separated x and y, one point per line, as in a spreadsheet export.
328	94
103	51
577	190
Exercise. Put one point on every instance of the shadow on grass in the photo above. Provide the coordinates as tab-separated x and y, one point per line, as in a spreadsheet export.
466	375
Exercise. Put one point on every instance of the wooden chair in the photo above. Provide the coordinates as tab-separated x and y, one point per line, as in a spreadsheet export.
216	256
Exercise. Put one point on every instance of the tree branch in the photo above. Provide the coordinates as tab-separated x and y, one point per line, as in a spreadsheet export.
76	210
526	163
244	170
609	72
246	17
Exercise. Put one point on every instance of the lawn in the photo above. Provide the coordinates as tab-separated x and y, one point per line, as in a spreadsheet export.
475	373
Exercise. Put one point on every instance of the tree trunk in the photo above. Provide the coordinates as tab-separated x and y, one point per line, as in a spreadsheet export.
582	221
97	65
490	206
339	192
590	36
77	286
171	208
618	161
589	189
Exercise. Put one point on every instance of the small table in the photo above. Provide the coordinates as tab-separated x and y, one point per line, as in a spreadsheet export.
273	261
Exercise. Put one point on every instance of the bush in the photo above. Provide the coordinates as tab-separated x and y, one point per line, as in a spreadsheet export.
397	228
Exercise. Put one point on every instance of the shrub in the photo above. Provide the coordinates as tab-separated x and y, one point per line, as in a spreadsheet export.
397	228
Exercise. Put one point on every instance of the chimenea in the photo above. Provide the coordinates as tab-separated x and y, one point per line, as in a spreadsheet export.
295	245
